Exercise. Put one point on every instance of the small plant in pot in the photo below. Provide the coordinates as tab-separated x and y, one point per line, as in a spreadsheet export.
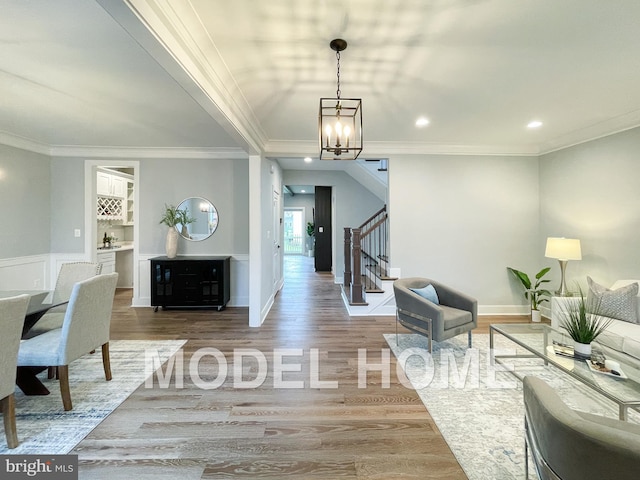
172	217
533	291
583	322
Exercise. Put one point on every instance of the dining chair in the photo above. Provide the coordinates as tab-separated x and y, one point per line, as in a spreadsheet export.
84	329
70	273
12	312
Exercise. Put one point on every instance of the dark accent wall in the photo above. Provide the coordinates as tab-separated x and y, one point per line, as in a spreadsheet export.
323	229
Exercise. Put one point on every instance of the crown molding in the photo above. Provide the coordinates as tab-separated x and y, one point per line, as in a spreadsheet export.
593	132
145	152
24	143
284	148
184	42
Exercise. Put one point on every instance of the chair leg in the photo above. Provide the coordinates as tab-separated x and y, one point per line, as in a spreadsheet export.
9	415
52	372
63	372
106	362
470	341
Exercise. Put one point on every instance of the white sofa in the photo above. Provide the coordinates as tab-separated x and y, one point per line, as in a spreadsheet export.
621	339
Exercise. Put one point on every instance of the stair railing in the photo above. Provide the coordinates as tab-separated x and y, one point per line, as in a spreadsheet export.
365	255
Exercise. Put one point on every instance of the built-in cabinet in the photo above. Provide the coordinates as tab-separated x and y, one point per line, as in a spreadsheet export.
114	197
190	282
108	261
110	185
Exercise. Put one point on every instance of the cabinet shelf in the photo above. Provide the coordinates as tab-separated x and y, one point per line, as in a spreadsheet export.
190	282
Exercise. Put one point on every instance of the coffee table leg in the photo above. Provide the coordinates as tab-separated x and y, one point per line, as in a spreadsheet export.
492	358
546	343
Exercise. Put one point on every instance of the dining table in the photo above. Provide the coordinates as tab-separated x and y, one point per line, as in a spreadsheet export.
40	302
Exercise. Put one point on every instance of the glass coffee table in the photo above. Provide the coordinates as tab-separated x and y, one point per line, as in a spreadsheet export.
539	340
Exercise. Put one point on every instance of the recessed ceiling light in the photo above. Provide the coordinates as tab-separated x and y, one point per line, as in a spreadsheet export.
308	160
303	191
534	124
422	122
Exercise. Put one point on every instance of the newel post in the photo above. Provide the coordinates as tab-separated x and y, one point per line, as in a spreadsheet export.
356	288
347	257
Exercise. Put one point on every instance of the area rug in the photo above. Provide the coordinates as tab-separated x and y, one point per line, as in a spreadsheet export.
479	410
43	425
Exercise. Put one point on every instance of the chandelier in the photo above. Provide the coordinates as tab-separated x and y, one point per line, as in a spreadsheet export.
340	120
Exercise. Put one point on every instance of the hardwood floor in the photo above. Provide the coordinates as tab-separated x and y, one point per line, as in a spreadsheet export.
266	432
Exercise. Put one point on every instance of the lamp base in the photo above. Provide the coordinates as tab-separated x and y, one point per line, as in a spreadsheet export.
562	291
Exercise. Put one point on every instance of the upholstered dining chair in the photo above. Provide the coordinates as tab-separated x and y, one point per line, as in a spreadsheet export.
12	312
70	273
433	309
568	444
84	329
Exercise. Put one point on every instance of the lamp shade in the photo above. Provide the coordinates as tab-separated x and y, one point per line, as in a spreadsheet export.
563	248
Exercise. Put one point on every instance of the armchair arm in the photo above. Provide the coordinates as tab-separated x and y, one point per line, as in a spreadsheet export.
453	298
408	301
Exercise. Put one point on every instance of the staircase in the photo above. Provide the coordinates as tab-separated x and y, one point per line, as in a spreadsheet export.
368	278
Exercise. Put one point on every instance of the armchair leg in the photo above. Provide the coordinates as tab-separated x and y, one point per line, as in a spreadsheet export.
63	372
8	404
106	361
470	340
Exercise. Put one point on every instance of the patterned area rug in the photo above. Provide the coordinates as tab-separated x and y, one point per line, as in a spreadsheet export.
478	410
43	425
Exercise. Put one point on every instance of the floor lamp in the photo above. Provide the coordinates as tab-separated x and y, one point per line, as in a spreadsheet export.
563	249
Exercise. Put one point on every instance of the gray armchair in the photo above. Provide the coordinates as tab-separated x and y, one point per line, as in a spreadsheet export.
567	444
456	312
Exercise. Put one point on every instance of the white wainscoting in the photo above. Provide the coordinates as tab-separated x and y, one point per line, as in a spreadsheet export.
25	273
34	272
239	280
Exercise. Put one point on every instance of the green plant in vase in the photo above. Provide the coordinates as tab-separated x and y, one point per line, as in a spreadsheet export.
533	291
172	215
582	320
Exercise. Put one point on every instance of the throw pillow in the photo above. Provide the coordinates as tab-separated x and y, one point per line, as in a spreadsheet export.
619	303
427	292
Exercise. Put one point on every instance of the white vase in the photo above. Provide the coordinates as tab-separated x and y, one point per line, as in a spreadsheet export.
171	244
582	349
536	316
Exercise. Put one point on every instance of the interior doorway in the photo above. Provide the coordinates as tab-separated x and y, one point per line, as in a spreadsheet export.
294	231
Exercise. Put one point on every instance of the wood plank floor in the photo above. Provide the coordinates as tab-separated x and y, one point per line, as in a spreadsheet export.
266	432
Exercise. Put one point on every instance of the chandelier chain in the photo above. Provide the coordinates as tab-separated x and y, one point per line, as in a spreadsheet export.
338	75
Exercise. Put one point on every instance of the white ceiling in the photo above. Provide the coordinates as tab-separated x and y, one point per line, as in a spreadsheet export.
73	72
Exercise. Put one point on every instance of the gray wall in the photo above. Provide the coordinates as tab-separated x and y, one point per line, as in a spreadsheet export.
592	192
67	204
225	183
463	219
353	204
25	197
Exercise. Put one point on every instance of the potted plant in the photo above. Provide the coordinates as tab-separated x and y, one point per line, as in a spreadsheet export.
533	291
171	218
583	322
311	231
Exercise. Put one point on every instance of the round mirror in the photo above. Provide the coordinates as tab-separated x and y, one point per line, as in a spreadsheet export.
200	219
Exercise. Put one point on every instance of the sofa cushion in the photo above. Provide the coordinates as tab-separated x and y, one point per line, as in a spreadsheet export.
623	337
620	303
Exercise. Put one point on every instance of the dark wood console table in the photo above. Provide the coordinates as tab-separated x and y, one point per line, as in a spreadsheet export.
190	282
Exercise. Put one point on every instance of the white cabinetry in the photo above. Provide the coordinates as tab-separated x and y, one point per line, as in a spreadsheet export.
108	261
110	185
113	194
